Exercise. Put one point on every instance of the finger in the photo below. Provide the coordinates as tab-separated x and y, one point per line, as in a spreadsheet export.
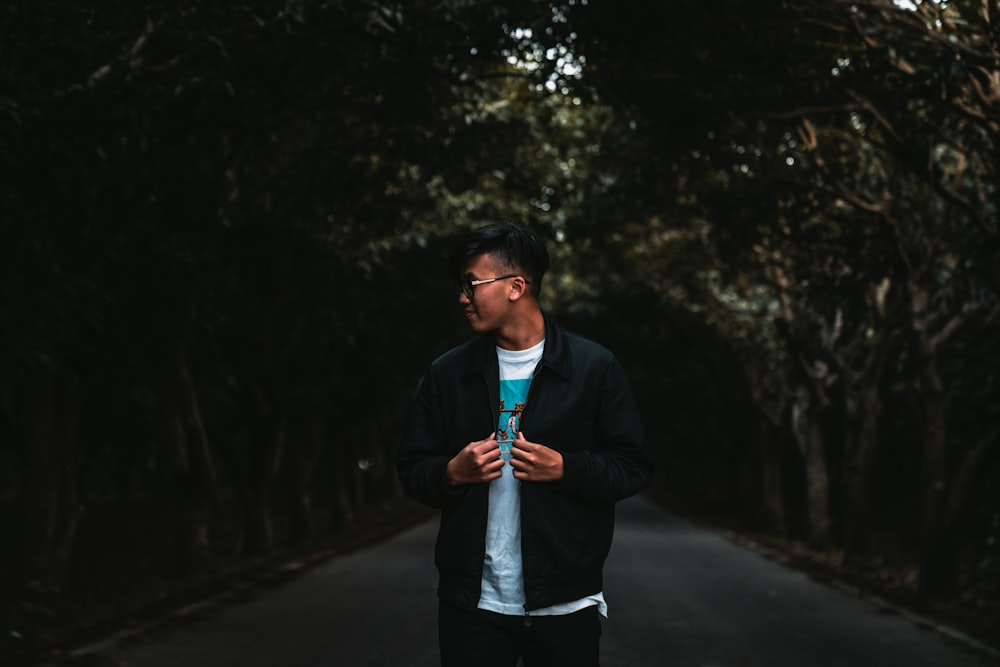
520	464
488	475
520	452
491	464
486	446
521	443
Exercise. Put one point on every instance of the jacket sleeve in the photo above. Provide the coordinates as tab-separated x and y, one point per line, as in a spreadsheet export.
423	455
619	466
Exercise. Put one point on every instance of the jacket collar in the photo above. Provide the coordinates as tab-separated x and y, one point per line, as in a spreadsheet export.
556	356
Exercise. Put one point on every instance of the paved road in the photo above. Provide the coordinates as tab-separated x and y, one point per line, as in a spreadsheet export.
678	597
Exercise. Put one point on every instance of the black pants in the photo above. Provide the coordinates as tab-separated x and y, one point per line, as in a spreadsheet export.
474	637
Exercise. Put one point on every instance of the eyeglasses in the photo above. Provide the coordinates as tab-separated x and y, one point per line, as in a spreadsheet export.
467	288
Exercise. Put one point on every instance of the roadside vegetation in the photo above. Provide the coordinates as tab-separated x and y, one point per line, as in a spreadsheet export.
223	226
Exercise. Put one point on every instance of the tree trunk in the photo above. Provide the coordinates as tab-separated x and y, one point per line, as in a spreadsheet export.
265	460
772	483
357	467
52	512
195	483
809	433
345	468
863	412
939	552
380	472
308	450
818	488
863	407
975	467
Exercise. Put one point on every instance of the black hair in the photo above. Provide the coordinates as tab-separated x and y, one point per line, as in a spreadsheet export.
517	248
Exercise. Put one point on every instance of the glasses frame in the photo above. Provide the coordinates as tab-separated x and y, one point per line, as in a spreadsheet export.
467	288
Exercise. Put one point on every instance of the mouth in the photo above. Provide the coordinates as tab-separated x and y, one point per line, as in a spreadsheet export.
469	314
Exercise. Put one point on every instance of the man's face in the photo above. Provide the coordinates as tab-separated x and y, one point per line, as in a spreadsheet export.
486	310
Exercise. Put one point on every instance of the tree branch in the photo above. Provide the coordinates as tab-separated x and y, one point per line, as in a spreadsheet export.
953	325
807	111
867	105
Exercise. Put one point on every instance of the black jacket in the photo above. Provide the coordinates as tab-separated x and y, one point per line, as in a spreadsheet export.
580	404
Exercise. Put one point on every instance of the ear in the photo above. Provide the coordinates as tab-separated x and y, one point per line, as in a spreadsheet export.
518	288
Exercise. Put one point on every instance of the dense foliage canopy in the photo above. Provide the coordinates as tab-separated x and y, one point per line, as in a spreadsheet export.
224	223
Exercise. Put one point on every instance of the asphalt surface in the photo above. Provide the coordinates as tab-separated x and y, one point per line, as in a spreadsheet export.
678	596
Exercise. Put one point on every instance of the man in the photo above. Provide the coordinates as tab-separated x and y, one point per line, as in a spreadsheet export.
527	494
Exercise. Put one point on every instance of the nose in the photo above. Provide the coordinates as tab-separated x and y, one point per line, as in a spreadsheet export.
464	300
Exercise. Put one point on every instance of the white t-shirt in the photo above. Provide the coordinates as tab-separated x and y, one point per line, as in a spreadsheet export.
503	580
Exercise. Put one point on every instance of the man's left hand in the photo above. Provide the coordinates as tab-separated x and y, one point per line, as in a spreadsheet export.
533	462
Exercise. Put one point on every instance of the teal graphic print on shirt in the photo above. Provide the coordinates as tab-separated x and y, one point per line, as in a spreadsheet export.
513	394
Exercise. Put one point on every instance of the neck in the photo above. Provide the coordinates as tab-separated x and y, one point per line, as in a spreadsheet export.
522	333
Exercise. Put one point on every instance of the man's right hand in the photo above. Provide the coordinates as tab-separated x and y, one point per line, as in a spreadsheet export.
478	462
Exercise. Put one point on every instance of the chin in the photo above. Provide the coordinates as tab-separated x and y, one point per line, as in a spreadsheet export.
478	326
